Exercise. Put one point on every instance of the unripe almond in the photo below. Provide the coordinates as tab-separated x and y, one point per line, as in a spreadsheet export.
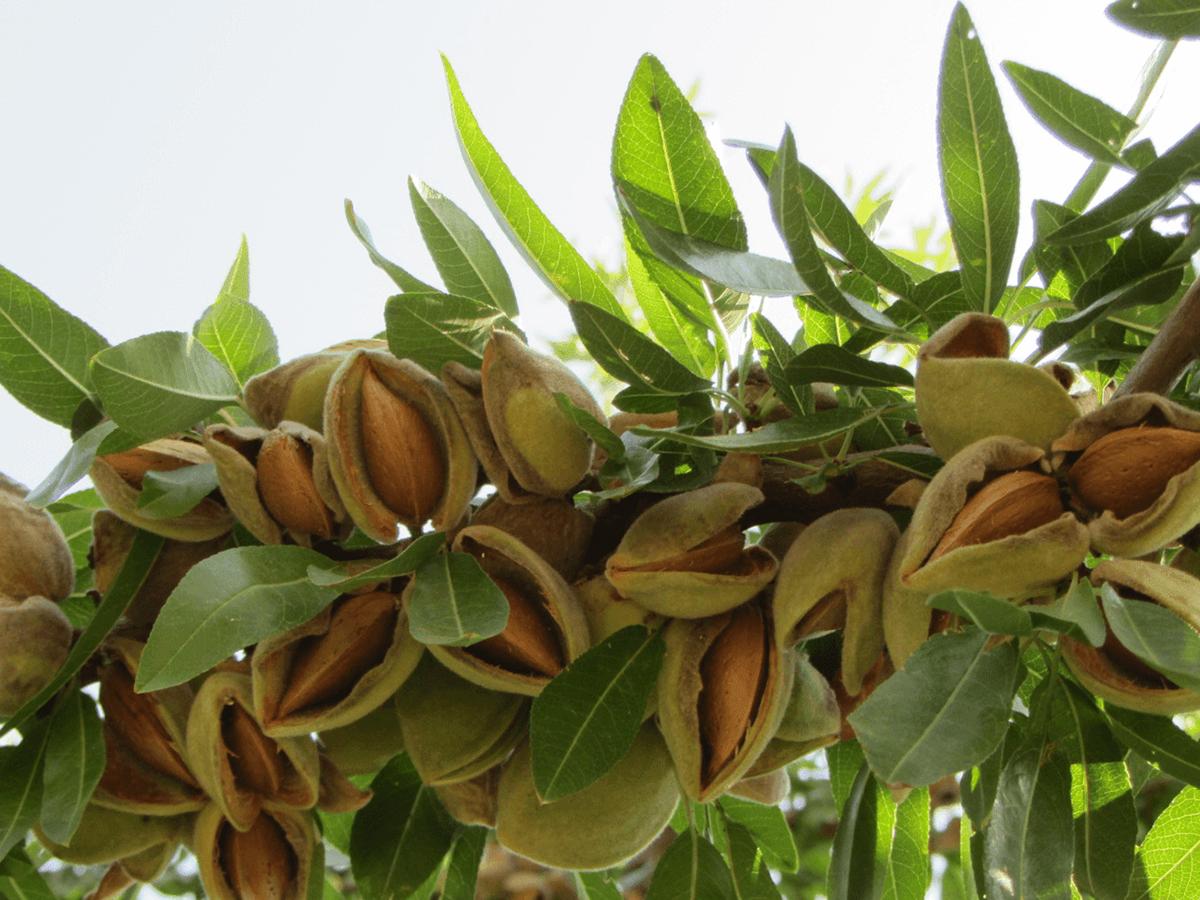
1126	470
403	457
287	487
1011	504
528	642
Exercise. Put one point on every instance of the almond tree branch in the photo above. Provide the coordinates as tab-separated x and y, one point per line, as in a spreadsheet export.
1174	348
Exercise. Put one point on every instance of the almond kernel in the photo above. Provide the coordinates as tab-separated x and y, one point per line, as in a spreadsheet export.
1125	471
1014	503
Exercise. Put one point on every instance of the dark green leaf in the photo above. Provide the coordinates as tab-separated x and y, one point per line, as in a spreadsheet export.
828	362
74	762
454	603
72	467
402	279
559	265
465	258
406	563
1075	118
20	879
604	438
1147	194
1155	635
748	865
1076	262
637	466
691	869
1076	614
21	786
1144	252
584	721
945	711
401	836
1029	842
596	886
174	492
991	614
852	872
777	437
770	829
227	602
158	384
941	298
1159	740
663	160
906	873
336	827
1169	19
1171	851
432	328
240	336
44	351
463	869
775	353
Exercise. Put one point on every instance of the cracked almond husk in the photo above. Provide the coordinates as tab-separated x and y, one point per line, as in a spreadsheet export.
105	834
35	638
294	391
686	557
118	478
35	559
145	738
1114	673
454	729
602	825
1134	469
968	389
343	663
722	691
545	450
336	792
397	450
832	578
812	719
553	528
992	520
473	801
269	861
546	627
770	789
239	767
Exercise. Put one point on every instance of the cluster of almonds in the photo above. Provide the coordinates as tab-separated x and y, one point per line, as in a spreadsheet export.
354	437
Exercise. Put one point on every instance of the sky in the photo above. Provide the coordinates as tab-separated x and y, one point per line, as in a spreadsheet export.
142	140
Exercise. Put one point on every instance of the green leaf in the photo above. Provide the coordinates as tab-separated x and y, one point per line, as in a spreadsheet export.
432	328
584	721
72	467
788	209
236	286
663	160
1077	119
774	352
748	865
551	256
906	872
691	869
406	563
769	827
1076	614
941	298
240	336
831	363
945	711
1154	635
401	277
227	602
604	438
20	879
401	836
173	493
1147	194
161	383
680	329
454	603
978	163
44	352
852	871
462	871
336	827
74	763
1159	740
596	886
1029	844
990	614
21	786
777	437
1168	19
1171	851
465	258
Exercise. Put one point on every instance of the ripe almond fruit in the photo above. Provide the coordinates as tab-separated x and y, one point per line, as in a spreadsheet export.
1014	503
1126	470
733	673
259	863
718	553
528	643
287	487
403	457
256	761
132	465
134	717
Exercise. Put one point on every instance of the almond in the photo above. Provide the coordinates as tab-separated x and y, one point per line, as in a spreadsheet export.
1014	503
733	673
716	554
1126	470
287	487
528	643
259	863
255	759
135	718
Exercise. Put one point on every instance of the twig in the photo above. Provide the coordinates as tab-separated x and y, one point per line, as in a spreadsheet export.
1174	348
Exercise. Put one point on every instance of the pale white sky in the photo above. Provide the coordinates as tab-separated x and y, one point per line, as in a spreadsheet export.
141	140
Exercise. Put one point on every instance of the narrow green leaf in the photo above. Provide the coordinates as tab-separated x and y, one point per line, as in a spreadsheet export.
601	434
401	836
1159	740
989	613
691	869
678	328
1145	288
770	829
1077	119
551	256
432	328
1029	847
227	602
1168	19
978	163
402	278
907	873
662	158
240	336
175	492
828	362
637	466
465	258
940	298
74	763
945	711
72	467
596	886
852	871
584	721
777	437
406	563
1155	635
21	786
454	603
844	759
462	871
1147	194
748	864
44	351
161	383
20	879
236	286
1171	851
1076	614
774	352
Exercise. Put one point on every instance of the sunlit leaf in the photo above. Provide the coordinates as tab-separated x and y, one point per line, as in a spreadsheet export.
1169	19
432	328
833	364
401	277
1171	852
